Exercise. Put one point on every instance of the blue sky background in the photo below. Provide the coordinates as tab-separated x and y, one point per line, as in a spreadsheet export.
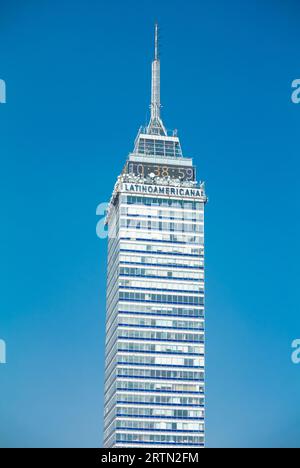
78	88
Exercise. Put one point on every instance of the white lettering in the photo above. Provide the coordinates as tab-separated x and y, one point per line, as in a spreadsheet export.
2	92
160	190
296	353
2	352
296	93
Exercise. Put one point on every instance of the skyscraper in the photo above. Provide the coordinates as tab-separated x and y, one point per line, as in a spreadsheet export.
154	364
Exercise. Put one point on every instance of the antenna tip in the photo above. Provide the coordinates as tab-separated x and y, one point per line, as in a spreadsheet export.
156	41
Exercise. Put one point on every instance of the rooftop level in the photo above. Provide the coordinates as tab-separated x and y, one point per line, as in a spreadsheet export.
163	146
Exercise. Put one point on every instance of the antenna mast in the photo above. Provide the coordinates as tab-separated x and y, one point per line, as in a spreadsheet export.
156	126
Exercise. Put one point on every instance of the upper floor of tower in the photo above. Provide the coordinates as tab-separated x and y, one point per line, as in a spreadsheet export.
154	140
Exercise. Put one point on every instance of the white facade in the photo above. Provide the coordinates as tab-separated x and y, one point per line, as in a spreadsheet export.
155	367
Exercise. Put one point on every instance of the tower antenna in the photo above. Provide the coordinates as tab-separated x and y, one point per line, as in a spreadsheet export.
156	55
156	126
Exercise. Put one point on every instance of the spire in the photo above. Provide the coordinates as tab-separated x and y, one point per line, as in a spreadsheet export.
156	42
156	126
154	141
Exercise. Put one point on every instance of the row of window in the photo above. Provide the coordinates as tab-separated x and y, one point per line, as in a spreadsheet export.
150	201
160	439
160	361
170	274
159	374
146	309
160	426
160	348
159	216
160	400
161	285
154	213
162	387
165	299
162	249
162	323
160	413
162	261
151	225
161	335
159	236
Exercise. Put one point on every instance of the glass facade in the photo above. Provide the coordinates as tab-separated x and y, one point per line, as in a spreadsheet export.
156	146
155	331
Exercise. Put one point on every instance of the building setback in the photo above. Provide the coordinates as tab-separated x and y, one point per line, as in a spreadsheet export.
155	330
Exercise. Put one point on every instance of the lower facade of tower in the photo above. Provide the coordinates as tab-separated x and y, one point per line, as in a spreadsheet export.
155	330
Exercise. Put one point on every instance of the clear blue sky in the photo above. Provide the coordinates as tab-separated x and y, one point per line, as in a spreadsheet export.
78	88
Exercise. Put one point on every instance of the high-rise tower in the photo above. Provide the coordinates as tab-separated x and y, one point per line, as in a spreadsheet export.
154	374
